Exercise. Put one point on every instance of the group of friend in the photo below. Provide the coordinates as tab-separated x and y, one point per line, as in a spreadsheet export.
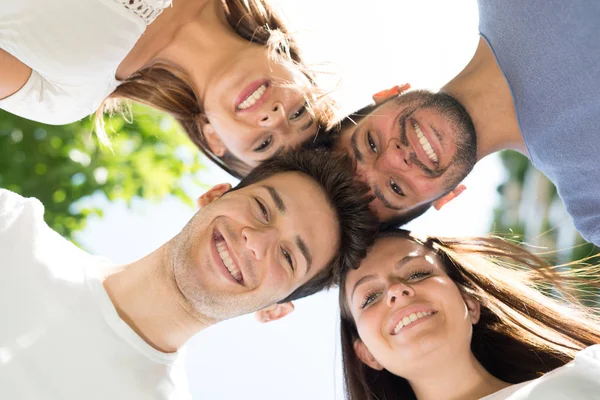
421	317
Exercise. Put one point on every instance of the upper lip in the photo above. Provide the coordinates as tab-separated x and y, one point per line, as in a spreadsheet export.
248	91
233	256
405	312
418	149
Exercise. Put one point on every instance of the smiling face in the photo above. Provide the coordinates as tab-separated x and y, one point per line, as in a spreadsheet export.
411	150
408	312
257	107
254	246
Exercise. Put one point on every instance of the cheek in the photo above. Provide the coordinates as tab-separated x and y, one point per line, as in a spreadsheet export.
276	280
369	329
428	187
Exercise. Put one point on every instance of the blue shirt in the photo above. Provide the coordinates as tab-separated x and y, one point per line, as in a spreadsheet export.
549	52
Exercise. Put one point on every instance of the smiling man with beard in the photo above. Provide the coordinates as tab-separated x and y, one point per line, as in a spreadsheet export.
532	86
76	327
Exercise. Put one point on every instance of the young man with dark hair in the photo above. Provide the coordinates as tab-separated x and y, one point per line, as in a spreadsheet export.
532	86
74	326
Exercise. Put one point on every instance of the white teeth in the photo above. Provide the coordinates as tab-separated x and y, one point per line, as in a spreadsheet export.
410	319
425	144
229	264
253	98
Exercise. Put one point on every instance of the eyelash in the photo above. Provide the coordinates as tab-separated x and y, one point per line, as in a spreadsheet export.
265	215
263	210
264	145
300	112
288	258
371	143
370	297
395	188
418	274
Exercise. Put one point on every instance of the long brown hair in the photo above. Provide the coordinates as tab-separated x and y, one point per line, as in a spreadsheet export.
522	332
170	90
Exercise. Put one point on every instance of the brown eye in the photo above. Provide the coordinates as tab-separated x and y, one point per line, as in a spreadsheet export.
301	111
288	258
264	145
371	143
396	188
263	209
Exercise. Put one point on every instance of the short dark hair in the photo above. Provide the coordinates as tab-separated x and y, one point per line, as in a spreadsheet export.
398	221
348	198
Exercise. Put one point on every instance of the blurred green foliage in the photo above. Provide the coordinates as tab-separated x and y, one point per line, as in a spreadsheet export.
60	165
528	200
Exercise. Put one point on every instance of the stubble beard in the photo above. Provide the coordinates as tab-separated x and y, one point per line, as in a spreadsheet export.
465	156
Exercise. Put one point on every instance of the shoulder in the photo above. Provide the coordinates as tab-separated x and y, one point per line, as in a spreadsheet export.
579	379
12	205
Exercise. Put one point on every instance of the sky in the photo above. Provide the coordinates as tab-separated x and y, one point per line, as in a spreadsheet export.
365	46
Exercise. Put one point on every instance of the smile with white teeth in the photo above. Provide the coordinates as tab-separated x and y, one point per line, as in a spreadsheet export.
253	97
409	319
425	144
228	261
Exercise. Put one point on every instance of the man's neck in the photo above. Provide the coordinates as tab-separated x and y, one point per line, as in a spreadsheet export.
147	298
463	379
482	89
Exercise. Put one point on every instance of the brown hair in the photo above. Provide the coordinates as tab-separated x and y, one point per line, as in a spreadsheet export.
522	333
348	198
170	90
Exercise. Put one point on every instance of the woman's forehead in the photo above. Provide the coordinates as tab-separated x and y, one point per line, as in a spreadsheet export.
386	251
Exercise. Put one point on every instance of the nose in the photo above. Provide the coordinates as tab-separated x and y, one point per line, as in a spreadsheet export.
274	116
259	240
398	291
394	157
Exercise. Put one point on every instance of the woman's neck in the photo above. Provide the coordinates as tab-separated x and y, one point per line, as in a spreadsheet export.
457	379
165	32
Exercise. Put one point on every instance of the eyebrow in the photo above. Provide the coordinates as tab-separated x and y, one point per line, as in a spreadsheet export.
368	278
281	207
276	199
305	252
307	125
357	154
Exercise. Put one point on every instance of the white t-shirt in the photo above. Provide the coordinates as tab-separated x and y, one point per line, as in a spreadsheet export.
74	48
577	380
60	335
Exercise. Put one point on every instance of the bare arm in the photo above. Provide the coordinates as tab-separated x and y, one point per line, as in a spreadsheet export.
13	74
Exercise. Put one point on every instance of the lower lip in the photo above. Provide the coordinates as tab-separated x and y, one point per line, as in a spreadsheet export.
415	323
251	88
219	262
420	150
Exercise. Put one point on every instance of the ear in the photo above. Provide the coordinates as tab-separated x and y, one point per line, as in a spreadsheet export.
473	307
381	97
442	201
274	312
213	140
212	194
365	355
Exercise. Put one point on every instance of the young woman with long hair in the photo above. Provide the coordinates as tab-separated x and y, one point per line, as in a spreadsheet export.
226	70
466	319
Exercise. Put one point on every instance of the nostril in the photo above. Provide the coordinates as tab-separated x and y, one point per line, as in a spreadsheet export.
275	108
266	117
